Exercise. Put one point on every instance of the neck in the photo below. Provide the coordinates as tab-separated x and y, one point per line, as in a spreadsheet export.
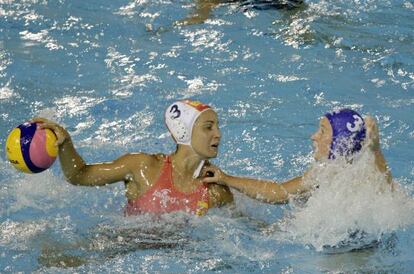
185	160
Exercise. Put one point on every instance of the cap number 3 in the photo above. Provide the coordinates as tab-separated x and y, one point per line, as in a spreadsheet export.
175	111
358	122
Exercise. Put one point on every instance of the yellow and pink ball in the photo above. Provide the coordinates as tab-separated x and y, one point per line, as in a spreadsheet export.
30	148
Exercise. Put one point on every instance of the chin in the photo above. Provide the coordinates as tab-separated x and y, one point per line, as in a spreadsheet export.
206	156
212	155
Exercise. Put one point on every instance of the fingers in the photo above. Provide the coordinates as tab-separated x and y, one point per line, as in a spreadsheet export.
209	171
60	132
60	139
210	180
44	123
210	174
39	120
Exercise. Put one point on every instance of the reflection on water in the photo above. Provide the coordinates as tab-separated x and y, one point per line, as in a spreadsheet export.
105	243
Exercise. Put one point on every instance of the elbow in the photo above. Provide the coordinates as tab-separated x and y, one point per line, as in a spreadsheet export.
73	181
277	199
75	178
280	200
276	195
282	196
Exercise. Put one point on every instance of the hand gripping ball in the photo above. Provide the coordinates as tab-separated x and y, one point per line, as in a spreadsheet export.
30	148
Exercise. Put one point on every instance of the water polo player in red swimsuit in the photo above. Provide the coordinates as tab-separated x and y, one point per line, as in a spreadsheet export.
160	183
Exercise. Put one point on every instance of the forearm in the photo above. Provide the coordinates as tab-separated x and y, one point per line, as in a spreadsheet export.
71	162
262	190
382	165
75	169
373	142
296	185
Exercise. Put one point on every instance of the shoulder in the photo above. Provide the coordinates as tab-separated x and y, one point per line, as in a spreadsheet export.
141	159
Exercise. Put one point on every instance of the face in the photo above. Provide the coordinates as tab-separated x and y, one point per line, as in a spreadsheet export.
322	140
206	135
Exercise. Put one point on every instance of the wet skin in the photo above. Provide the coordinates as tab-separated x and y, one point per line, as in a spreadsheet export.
322	140
140	171
272	192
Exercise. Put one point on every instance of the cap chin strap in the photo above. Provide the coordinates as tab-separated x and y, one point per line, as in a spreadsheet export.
198	169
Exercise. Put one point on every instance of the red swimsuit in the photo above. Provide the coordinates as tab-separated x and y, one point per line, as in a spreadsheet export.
163	197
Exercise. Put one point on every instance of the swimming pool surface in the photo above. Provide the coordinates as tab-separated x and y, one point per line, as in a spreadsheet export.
107	70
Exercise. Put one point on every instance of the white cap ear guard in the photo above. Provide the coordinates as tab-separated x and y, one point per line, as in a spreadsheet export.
180	118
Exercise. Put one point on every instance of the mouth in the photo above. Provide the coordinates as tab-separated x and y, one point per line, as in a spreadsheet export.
215	146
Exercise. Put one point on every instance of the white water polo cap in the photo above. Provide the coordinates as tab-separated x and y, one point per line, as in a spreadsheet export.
180	118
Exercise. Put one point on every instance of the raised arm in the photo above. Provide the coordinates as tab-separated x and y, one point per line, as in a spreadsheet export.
373	144
75	169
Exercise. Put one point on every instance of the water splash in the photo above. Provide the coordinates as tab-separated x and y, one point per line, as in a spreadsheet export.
352	202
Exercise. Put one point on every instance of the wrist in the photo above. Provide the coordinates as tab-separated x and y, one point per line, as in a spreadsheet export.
374	145
224	178
65	142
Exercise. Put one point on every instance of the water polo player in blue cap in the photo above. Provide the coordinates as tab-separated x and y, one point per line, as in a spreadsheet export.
341	135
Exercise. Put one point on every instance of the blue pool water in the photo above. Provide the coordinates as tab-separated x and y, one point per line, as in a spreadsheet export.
107	69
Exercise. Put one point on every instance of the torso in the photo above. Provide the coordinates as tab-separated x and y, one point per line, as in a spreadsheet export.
147	173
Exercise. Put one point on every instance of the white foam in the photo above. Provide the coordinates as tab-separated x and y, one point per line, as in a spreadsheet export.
41	191
130	8
41	37
206	39
5	61
76	105
15	234
197	85
122	131
6	92
124	66
350	197
286	78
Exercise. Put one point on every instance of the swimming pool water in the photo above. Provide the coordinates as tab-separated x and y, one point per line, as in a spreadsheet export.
107	70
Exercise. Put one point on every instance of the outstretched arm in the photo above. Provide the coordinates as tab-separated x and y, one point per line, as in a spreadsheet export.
263	190
75	169
373	144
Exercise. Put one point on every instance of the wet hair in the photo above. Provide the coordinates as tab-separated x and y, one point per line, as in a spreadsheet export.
348	132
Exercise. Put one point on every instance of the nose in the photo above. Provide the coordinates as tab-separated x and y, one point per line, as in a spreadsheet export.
217	133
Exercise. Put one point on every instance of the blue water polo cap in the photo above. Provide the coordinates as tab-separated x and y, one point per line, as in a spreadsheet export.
348	132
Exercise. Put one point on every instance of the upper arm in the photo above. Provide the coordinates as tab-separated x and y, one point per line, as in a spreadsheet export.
106	173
